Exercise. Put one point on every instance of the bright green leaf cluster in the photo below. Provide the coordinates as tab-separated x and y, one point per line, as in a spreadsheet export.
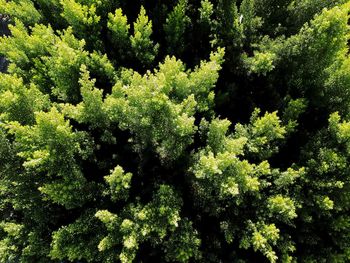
144	48
22	10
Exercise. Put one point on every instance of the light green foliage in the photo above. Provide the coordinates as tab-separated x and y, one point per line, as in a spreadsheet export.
224	180
199	82
265	56
261	63
262	133
66	191
339	78
152	117
228	174
326	34
22	49
85	18
292	111
267	126
119	183
18	102
217	134
281	207
302	11
143	47
101	66
50	147
119	27
158	108
80	16
206	11
175	27
10	233
328	184
63	66
34	144
204	78
326	203
90	110
314	38
341	129
262	238
23	10
60	56
152	222
289	177
183	244
220	169
42	49
69	242
106	157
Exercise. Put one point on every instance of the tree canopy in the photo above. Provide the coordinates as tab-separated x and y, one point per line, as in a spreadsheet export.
175	131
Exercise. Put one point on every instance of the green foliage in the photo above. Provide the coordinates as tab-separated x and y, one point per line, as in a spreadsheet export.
144	48
23	10
158	108
151	222
90	110
50	147
63	65
22	48
262	132
52	64
119	183
303	11
206	11
183	244
69	242
326	34
10	233
262	238
83	18
18	102
250	21
281	207
175	28
119	27
189	131
292	112
261	63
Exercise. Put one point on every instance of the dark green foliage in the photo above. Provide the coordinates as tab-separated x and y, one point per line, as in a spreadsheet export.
186	131
175	27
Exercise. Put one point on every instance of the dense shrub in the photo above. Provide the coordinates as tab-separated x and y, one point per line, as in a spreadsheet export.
186	131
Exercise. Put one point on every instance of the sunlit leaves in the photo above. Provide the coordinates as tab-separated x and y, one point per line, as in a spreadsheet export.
206	10
82	18
119	28
144	48
107	157
119	183
152	222
159	108
262	238
23	10
282	207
